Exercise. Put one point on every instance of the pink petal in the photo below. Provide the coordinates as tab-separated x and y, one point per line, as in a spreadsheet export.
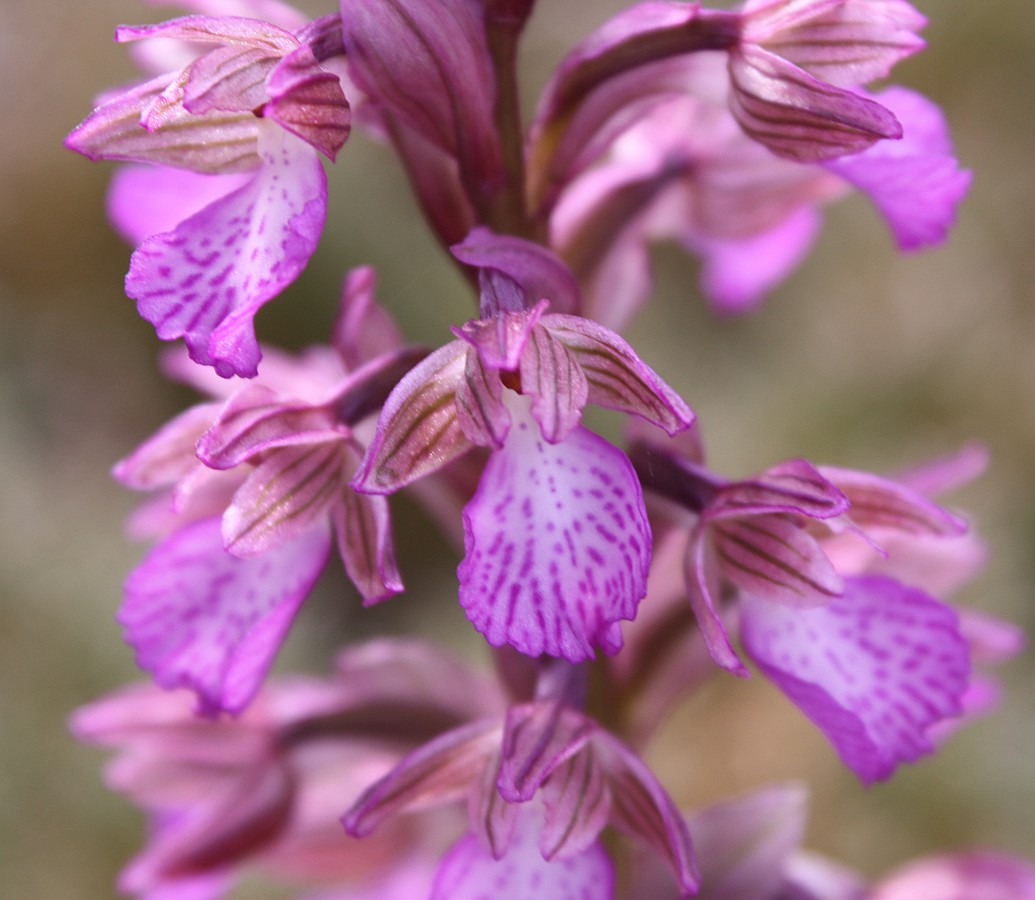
364	533
915	183
363	329
258	419
168	455
874	669
442	770
552	377
538	272
847	43
205	280
146	200
419	429
794	486
617	377
290	492
557	544
229	79
537	738
217	143
201	618
482	415
702	587
308	101
744	844
975	875
578	806
640	806
469	872
234	30
773	558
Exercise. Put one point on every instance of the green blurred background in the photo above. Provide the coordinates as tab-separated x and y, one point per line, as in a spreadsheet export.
863	359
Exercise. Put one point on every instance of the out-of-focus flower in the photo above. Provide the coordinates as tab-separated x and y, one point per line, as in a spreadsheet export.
260	790
257	486
686	171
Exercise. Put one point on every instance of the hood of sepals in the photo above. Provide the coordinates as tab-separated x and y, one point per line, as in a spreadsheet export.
515	274
204	117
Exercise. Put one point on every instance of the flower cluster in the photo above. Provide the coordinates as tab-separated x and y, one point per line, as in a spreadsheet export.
608	580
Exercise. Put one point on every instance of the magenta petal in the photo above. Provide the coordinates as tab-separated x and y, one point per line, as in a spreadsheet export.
915	183
557	544
469	872
205	280
874	669
738	273
201	618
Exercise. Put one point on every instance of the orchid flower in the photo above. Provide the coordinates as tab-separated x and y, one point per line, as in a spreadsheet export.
259	103
258	487
258	791
687	171
873	661
540	785
556	537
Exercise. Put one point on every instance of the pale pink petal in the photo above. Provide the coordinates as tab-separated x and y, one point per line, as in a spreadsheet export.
482	415
291	491
258	419
578	806
640	806
874	669
537	738
308	101
217	143
146	200
443	770
229	79
419	429
616	376
206	280
469	872
552	377
847	43
168	455
701	573
364	532
794	486
915	183
743	844
201	618
234	30
773	558
557	544
535	271
975	875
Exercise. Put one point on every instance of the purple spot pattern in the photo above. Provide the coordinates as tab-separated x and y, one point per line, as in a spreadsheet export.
203	619
469	872
557	545
205	280
874	669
